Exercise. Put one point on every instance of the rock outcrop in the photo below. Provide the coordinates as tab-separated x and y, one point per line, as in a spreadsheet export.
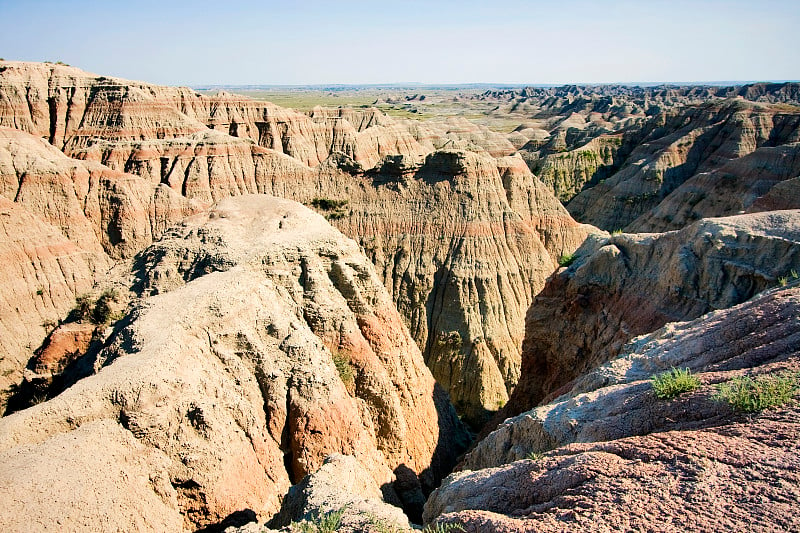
743	185
609	455
625	285
266	344
341	485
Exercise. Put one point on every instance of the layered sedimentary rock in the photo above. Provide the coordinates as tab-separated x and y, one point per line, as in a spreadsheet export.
610	455
567	172
463	242
742	185
41	272
682	143
462	277
626	285
224	381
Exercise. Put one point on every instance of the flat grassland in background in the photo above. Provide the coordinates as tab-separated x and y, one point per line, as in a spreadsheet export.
401	103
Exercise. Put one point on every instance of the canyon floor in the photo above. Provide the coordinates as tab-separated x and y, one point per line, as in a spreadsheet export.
389	308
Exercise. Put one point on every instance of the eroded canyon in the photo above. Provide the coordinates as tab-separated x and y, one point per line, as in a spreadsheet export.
444	277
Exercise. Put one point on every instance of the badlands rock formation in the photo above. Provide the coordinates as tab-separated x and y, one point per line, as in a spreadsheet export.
462	234
221	387
625	285
682	146
616	457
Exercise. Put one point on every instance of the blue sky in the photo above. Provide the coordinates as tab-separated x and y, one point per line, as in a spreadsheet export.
504	41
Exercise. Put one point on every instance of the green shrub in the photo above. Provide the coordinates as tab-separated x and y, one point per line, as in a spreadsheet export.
320	523
100	311
566	260
327	204
673	382
103	311
82	309
762	392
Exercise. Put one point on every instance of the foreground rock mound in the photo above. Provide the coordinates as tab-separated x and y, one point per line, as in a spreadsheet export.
610	455
341	485
268	343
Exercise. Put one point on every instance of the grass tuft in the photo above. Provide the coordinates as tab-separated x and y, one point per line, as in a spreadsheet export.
345	369
673	382
534	456
566	260
320	523
762	392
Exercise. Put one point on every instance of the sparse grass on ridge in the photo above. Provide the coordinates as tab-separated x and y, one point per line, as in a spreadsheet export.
750	395
669	384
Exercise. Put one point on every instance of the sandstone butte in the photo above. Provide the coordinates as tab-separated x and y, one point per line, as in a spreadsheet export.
261	367
462	237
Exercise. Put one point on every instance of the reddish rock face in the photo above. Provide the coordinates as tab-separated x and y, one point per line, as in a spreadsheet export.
738	475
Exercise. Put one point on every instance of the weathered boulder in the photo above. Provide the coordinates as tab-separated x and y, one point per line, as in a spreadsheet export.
341	485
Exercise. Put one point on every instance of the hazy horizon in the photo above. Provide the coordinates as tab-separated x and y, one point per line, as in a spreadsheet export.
358	43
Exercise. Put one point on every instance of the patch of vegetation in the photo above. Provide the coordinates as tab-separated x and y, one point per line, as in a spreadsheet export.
534	456
762	392
345	369
673	382
100	311
82	309
49	325
320	523
566	260
616	232
327	204
103	312
40	291
784	280
334	209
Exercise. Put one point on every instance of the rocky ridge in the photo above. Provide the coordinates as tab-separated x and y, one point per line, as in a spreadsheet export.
625	285
610	455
